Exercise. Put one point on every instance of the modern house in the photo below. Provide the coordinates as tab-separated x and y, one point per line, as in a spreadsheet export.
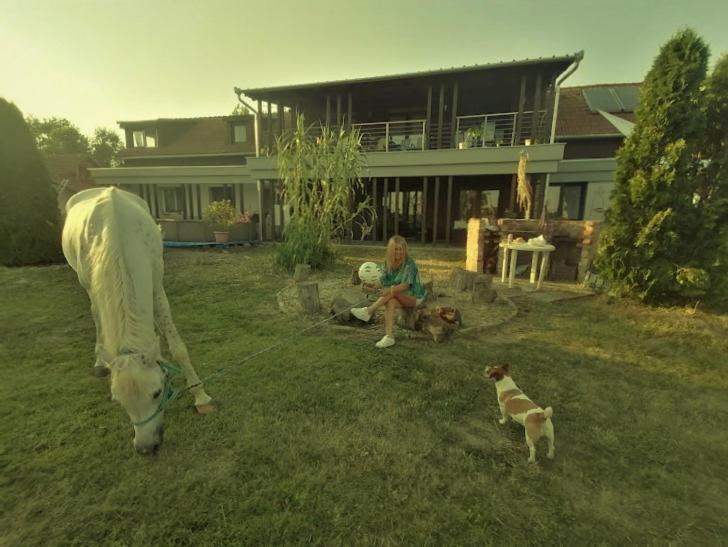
441	146
592	122
180	165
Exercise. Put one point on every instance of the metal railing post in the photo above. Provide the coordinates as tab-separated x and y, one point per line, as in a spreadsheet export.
386	136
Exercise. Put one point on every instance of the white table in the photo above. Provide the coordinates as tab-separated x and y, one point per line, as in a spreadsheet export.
542	251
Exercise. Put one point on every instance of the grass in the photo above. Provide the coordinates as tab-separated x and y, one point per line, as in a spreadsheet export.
329	441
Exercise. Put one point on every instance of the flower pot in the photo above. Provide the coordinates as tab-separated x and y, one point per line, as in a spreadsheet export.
222	237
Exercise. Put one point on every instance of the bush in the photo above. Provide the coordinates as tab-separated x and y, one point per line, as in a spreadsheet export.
303	245
220	215
29	219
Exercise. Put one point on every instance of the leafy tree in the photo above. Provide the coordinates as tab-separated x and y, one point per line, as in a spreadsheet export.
57	136
653	246
240	110
321	177
105	147
29	231
712	190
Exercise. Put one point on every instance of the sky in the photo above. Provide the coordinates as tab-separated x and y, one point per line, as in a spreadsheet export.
96	62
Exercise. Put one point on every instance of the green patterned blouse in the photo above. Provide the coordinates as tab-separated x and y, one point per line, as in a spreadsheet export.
406	273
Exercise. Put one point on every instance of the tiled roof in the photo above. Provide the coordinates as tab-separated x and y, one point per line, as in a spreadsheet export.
193	136
576	119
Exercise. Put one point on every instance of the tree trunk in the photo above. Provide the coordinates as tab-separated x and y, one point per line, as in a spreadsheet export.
302	272
308	296
483	292
462	280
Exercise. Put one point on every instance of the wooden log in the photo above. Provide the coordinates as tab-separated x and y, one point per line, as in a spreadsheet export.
340	310
462	280
308	296
483	292
301	273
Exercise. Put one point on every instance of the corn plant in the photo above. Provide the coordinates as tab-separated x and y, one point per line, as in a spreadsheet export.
320	170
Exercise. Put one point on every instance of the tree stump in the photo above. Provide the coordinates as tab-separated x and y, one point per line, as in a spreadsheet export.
483	292
302	272
308	296
462	280
340	310
355	279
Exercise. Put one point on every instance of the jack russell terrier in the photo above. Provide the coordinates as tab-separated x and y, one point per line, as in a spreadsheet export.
513	403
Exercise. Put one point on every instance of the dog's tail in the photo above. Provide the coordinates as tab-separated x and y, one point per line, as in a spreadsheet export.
548	412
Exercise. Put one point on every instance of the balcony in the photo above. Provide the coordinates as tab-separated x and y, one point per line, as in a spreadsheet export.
392	136
477	131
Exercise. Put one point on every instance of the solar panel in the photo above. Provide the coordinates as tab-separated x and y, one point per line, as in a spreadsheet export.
601	98
628	96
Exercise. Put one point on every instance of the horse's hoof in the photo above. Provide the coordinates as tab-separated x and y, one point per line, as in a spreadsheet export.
101	372
205	409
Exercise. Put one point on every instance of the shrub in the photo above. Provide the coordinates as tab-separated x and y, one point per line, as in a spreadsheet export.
29	219
220	215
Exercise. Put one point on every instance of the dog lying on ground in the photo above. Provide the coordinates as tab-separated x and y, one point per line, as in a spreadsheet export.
513	403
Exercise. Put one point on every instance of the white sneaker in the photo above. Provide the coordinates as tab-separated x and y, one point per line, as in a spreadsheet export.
361	313
385	342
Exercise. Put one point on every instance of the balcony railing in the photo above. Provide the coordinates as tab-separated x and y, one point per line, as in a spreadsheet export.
390	136
484	130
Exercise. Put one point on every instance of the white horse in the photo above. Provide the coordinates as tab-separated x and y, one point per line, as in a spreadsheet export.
112	242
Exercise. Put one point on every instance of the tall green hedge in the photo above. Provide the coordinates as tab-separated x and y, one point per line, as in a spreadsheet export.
29	223
661	243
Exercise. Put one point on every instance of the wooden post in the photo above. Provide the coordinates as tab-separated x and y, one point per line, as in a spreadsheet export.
453	117
440	115
396	206
328	110
301	273
519	115
348	110
269	125
375	227
424	209
308	296
428	118
338	110
483	292
261	213
462	280
281	111
385	210
435	210
536	125
449	210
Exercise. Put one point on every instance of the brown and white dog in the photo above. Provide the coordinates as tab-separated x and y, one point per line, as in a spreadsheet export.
513	403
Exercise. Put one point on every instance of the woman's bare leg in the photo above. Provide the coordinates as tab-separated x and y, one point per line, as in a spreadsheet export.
393	307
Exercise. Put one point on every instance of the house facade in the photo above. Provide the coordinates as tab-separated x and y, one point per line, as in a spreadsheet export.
178	166
592	123
440	146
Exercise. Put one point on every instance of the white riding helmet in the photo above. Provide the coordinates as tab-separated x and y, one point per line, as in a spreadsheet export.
370	272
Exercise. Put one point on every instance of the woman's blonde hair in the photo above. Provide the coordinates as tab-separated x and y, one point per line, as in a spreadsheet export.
389	254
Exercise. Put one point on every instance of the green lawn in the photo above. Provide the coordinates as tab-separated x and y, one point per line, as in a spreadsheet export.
330	441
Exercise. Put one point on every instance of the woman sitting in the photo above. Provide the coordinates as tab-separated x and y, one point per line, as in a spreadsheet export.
399	287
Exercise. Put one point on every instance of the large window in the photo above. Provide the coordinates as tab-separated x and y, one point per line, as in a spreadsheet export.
566	201
240	133
144	138
173	199
219	193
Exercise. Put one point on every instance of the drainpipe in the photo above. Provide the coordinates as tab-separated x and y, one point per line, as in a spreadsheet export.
568	72
256	119
256	131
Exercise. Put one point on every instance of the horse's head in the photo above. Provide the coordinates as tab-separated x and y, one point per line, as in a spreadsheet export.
141	386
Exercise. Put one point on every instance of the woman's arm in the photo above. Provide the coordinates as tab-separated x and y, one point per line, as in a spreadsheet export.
395	289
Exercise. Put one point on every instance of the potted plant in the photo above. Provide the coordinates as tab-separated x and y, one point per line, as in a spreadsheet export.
220	215
474	137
